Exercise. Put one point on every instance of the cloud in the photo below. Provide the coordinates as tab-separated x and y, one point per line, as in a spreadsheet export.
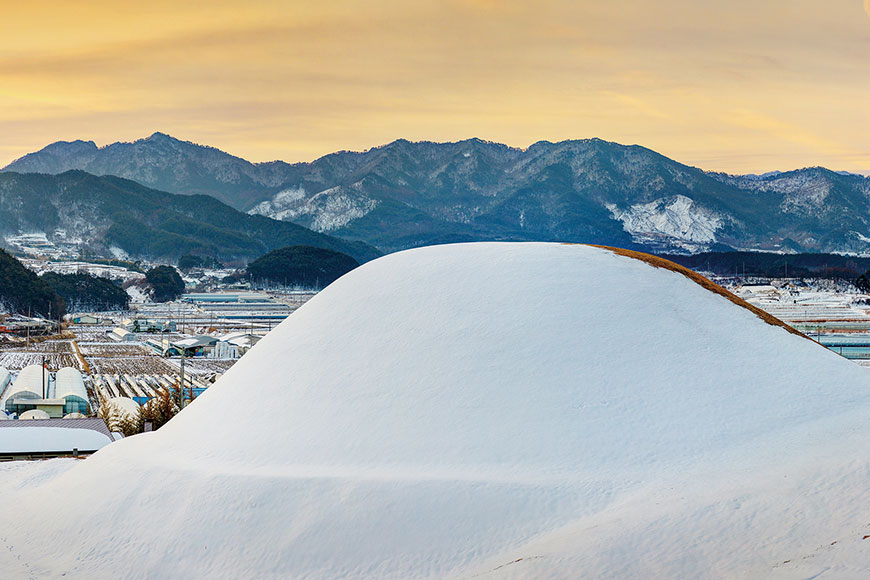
639	105
786	132
294	79
867	7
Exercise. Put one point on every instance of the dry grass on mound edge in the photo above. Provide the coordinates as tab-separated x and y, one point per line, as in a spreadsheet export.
658	262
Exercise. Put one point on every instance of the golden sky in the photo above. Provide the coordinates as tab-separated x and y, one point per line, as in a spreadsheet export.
737	85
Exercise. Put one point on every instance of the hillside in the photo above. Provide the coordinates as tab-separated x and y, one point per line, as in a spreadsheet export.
407	194
482	411
102	213
301	266
23	292
83	292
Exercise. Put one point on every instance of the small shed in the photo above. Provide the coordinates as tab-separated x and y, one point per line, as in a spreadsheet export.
86	319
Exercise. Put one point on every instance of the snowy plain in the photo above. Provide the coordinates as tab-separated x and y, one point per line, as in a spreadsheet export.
482	411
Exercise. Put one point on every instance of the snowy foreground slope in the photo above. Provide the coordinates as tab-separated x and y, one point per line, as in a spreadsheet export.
482	411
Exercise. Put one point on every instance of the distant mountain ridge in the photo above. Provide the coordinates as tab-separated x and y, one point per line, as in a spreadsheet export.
406	194
102	215
161	162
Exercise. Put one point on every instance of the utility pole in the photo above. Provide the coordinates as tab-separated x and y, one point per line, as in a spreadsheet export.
43	377
181	392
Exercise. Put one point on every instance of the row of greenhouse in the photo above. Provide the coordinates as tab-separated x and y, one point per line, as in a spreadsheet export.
38	393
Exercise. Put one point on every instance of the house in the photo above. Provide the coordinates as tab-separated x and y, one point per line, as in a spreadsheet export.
196	345
241	340
122	335
224	350
140	324
163	347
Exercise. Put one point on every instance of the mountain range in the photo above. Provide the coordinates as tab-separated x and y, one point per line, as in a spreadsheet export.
106	215
406	194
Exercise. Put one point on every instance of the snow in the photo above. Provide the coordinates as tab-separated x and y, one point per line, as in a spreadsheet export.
676	217
37	439
138	295
489	411
118	253
284	200
328	210
804	192
125	406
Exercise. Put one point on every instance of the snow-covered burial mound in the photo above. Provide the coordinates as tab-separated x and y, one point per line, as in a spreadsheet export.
482	411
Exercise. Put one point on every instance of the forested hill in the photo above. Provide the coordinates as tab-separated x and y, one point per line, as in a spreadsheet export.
23	292
83	292
301	266
111	212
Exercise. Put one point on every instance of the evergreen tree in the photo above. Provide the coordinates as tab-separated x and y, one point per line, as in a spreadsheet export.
166	282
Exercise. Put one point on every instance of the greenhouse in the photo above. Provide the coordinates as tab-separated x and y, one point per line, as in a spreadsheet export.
31	385
70	387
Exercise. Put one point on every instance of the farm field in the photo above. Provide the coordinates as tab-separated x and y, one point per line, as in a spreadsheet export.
139	365
92	333
202	366
14	360
112	349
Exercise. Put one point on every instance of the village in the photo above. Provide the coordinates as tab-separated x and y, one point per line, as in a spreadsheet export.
94	371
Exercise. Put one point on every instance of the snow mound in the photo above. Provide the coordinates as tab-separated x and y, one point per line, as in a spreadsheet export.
488	411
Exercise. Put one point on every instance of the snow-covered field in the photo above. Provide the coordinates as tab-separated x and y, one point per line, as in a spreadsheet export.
202	365
17	360
482	411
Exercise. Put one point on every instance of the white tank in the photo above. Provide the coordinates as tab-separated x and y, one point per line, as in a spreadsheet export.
34	414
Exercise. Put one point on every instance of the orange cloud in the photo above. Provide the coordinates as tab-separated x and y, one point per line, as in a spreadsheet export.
292	79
